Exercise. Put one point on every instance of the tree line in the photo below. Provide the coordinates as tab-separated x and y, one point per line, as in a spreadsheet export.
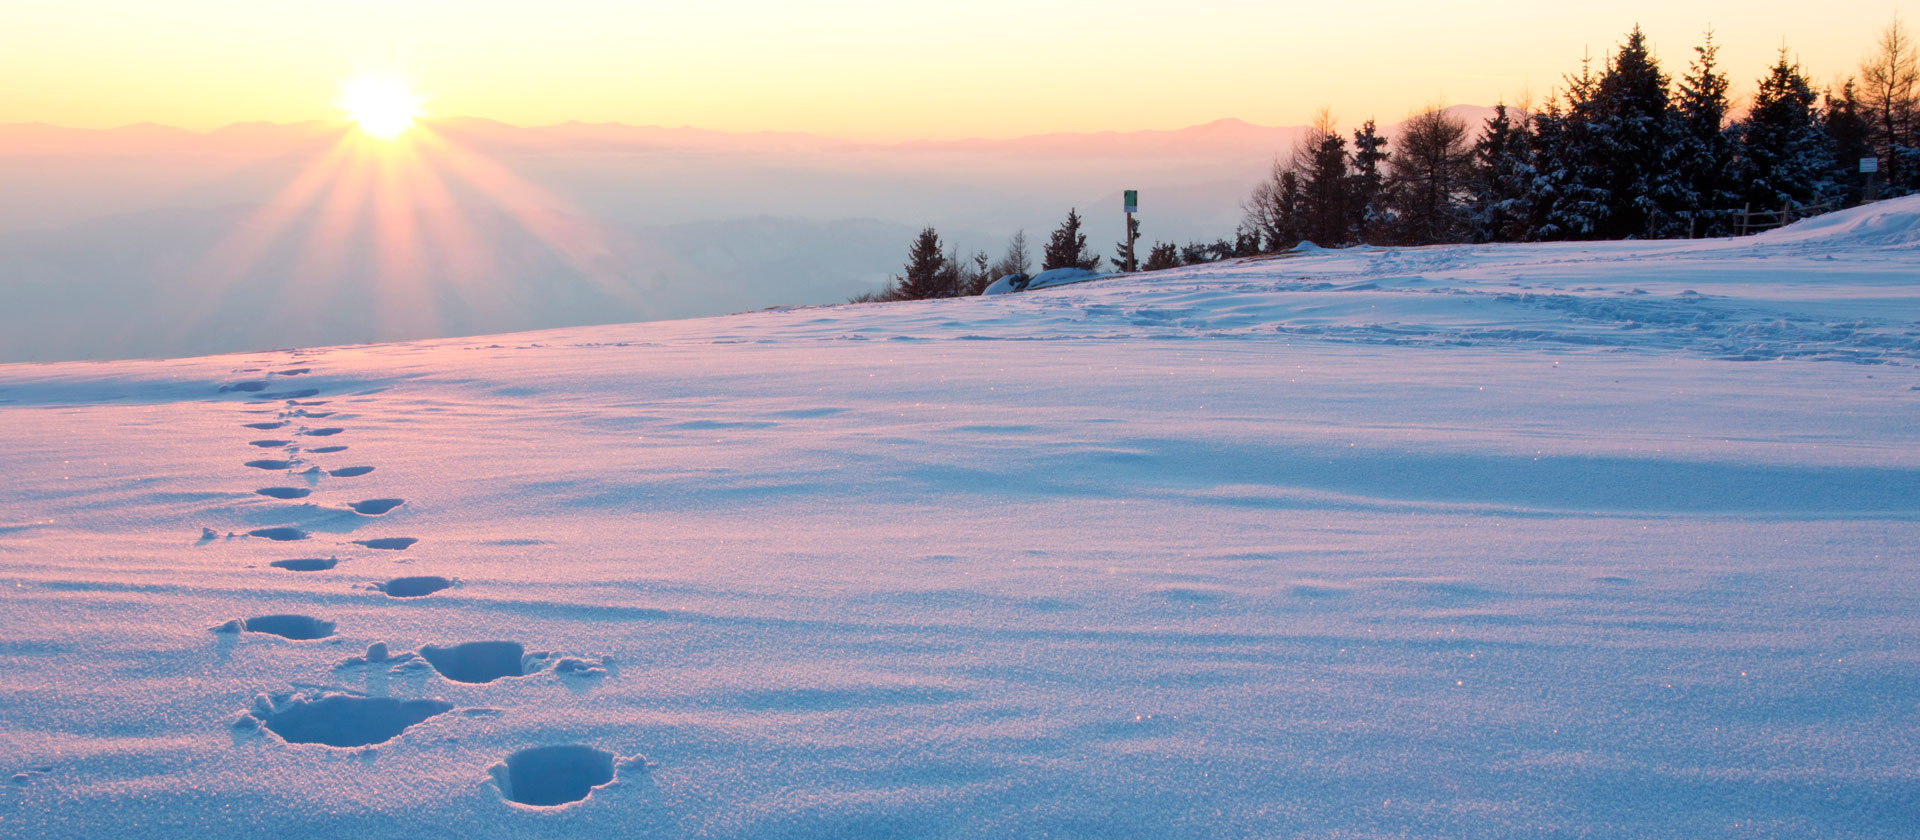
1624	153
936	271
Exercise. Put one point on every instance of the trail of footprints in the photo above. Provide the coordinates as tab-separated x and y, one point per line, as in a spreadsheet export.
539	777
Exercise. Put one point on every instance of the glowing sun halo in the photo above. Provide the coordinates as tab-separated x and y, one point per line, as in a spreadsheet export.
382	107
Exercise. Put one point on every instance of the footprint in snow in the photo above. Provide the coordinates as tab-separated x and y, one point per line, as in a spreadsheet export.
306	564
284	492
376	507
389	543
349	472
340	720
1317	591
1188	595
264	426
326	432
482	662
280	534
546	777
270	464
25	776
248	386
413	587
807	413
301	394
297	627
268	444
324	450
293	371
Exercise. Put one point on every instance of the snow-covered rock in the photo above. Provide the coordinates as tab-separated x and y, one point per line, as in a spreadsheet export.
1052	277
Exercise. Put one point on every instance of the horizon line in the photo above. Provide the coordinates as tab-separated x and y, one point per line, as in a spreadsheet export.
346	124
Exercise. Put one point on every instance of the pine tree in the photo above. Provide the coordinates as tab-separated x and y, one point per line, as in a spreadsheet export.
926	265
1429	180
978	274
1199	253
1246	242
1369	201
1067	248
1123	257
1272	211
1016	259
1852	138
1707	152
1571	201
1637	132
1785	153
1609	165
1890	92
1293	225
1162	256
1500	184
951	279
1326	199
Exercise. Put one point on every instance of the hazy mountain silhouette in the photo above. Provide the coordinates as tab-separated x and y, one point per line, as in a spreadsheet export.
108	237
144	284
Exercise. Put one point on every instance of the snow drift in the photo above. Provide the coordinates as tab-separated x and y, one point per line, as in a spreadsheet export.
1887	224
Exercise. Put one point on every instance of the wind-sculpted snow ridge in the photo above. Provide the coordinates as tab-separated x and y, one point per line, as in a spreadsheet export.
1564	540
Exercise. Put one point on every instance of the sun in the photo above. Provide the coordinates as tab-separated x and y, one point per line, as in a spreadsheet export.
383	107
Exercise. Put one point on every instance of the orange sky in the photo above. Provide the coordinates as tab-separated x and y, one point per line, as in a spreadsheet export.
866	70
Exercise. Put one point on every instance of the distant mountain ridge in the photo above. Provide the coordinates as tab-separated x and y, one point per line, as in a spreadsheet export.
172	282
126	224
1228	135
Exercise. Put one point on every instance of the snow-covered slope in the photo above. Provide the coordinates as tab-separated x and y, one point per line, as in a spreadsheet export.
1564	540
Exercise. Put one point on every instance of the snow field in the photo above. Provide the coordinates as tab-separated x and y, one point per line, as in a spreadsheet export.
1473	542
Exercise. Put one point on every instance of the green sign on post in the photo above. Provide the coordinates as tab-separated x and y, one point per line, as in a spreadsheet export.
1133	201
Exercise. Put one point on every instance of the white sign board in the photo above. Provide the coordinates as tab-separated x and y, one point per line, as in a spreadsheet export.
1869	164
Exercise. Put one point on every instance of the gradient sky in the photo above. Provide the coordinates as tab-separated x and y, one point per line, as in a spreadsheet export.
867	70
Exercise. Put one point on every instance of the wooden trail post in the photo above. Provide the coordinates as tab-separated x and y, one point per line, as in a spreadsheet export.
1133	206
